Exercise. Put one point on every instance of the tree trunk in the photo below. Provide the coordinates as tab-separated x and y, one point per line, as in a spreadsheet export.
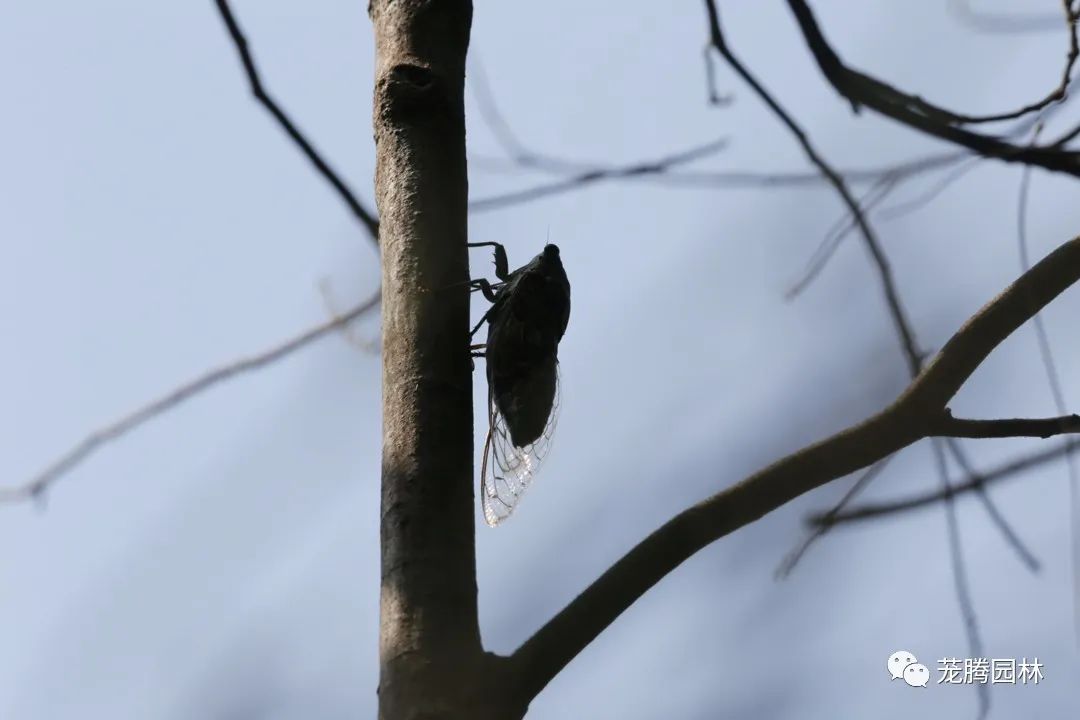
432	664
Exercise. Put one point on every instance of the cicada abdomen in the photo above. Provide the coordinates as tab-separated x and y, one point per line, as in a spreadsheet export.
527	319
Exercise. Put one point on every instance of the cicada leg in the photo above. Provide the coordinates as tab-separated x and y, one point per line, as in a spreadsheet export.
502	264
485	287
474	354
481	323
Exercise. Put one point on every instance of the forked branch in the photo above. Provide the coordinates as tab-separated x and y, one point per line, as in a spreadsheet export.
861	90
919	412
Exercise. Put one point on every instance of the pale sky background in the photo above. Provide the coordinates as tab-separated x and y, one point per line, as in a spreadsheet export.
222	562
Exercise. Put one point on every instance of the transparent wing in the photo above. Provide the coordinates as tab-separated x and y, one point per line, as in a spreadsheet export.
506	470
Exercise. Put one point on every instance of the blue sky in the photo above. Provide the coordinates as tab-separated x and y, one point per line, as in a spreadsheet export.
222	562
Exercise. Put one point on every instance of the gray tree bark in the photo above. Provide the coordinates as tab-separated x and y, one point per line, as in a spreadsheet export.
432	664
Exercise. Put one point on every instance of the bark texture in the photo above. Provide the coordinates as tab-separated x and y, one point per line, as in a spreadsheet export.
430	652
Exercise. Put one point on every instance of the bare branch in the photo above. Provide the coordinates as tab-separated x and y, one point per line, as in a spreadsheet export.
907	420
366	218
1055	95
892	298
901	323
588	177
792	559
119	428
750	179
976	483
960	574
863	90
999	23
992	511
948	426
1054	381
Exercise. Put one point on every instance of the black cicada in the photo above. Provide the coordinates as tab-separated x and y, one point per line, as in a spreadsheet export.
530	308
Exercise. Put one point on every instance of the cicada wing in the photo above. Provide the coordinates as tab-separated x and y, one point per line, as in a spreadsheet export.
506	470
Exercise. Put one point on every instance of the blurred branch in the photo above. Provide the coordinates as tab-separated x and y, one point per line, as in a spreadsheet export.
1059	92
792	559
589	177
36	487
912	354
119	428
909	419
863	90
1053	379
977	482
366	218
992	510
960	574
1000	23
907	339
739	178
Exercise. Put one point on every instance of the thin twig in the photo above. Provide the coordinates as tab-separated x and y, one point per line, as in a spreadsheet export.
1055	95
366	218
1005	471
862	90
834	237
913	355
121	427
589	177
1000	23
931	193
787	565
1053	379
960	573
892	298
992	510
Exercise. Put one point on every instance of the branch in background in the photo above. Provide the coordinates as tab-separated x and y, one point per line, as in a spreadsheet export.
521	157
999	23
792	559
641	169
904	422
992	510
330	302
834	237
1053	379
960	574
36	487
902	324
493	117
976	483
892	298
737	179
366	218
1055	95
863	90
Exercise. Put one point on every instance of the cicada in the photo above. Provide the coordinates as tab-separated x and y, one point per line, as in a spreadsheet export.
530	308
